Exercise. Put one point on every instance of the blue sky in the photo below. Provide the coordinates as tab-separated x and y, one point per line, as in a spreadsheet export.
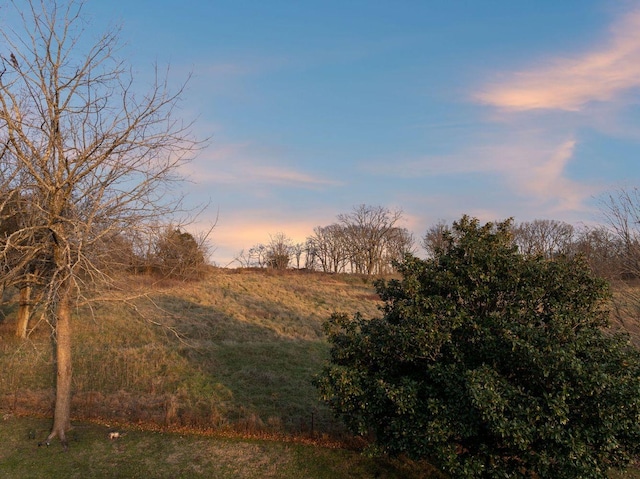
493	109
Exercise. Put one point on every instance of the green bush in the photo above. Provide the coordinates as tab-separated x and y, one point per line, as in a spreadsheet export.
489	364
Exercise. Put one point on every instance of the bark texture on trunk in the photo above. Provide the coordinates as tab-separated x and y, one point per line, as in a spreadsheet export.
62	412
24	311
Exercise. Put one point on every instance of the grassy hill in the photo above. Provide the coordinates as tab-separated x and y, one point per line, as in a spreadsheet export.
231	356
236	352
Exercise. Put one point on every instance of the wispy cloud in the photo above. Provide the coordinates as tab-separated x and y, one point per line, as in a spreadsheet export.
548	175
542	110
246	164
532	164
533	132
547	182
283	176
250	227
571	83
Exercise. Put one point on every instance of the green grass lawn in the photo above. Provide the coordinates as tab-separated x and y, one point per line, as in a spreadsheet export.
151	455
148	454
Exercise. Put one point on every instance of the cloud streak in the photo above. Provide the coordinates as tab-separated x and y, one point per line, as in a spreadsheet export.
572	83
531	164
289	177
543	110
242	164
250	227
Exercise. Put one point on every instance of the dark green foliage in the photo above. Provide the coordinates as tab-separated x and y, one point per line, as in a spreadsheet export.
490	364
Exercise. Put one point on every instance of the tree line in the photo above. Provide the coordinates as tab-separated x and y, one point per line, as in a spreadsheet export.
604	250
369	241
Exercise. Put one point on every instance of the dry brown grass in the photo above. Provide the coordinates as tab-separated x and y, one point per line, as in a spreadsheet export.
625	309
234	352
232	356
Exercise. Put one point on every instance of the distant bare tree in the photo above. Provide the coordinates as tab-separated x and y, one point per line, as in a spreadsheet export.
258	256
329	247
399	243
297	252
93	158
622	215
310	255
368	230
544	237
279	251
243	258
602	249
433	240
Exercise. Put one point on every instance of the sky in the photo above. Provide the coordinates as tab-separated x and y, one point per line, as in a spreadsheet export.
440	108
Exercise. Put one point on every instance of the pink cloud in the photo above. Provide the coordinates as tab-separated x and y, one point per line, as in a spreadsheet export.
547	180
571	83
246	228
530	163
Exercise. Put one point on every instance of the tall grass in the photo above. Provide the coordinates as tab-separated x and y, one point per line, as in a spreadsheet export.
237	351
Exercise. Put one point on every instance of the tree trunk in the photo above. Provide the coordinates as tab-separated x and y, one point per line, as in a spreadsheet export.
62	412
24	311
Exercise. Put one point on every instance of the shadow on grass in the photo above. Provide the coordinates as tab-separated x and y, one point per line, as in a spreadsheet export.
265	363
247	370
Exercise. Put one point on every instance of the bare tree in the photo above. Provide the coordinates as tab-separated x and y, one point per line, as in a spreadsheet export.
310	255
603	251
258	256
622	215
92	156
399	242
279	251
297	251
368	229
328	247
433	240
544	237
243	258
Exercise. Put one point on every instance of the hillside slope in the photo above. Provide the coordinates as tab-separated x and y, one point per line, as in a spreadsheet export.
236	351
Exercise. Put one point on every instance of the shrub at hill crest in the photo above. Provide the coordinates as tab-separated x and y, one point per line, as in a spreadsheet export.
489	364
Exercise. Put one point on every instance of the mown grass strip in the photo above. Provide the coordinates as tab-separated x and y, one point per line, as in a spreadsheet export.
156	455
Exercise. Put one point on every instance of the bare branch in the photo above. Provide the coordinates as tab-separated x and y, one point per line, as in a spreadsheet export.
87	162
